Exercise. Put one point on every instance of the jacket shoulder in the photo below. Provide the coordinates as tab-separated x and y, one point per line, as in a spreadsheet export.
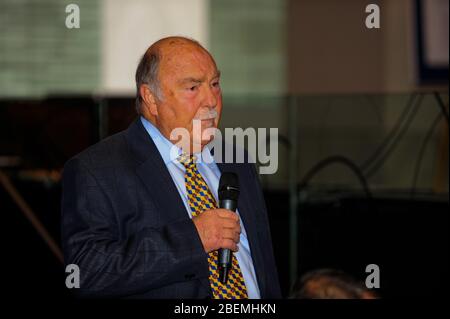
107	152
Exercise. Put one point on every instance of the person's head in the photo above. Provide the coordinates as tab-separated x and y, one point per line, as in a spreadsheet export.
329	284
177	81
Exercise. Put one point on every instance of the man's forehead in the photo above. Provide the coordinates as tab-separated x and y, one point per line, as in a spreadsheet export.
183	53
187	60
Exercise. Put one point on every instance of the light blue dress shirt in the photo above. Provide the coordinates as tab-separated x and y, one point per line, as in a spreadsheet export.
211	174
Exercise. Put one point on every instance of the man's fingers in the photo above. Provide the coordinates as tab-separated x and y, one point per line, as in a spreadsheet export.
232	224
231	234
228	214
224	229
229	244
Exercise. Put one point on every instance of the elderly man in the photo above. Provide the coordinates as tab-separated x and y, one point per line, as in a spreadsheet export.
141	223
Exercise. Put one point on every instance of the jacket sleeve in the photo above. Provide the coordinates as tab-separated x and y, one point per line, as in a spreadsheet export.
111	266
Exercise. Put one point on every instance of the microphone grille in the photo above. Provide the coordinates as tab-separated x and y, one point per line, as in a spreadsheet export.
228	186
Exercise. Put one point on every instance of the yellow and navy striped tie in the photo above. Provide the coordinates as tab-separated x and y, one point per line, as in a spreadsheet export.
201	199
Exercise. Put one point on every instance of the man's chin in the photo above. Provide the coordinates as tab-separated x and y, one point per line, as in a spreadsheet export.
198	147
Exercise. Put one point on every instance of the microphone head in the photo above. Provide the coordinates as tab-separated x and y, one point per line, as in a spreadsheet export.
228	186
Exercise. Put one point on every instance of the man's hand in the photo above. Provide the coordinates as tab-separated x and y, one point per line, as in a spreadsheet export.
218	228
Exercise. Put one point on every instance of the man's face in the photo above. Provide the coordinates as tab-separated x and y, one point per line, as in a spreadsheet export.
189	82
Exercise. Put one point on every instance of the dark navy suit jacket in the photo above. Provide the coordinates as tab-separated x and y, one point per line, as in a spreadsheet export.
125	225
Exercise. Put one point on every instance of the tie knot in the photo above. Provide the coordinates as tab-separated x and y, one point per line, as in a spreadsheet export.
188	161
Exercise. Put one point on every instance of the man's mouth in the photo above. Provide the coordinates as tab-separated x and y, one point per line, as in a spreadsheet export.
208	123
211	115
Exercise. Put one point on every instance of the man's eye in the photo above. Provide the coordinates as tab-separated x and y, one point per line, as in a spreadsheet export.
216	84
193	88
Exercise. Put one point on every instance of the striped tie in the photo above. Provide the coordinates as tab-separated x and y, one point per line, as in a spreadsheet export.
201	199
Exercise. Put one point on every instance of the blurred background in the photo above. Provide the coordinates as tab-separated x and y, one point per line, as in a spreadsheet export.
362	116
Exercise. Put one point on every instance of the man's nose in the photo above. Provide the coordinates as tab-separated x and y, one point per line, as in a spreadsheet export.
210	98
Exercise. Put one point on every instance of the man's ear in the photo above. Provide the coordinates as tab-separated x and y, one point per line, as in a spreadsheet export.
149	99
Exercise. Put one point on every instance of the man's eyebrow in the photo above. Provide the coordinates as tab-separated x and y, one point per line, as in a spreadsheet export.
197	80
191	80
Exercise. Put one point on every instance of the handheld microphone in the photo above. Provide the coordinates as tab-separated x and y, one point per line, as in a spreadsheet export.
228	197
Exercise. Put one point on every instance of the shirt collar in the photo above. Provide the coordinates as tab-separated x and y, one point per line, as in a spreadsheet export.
165	147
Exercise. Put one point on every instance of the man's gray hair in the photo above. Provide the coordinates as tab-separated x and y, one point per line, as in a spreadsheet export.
147	73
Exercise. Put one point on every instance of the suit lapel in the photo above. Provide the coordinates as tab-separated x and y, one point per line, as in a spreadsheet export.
154	174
